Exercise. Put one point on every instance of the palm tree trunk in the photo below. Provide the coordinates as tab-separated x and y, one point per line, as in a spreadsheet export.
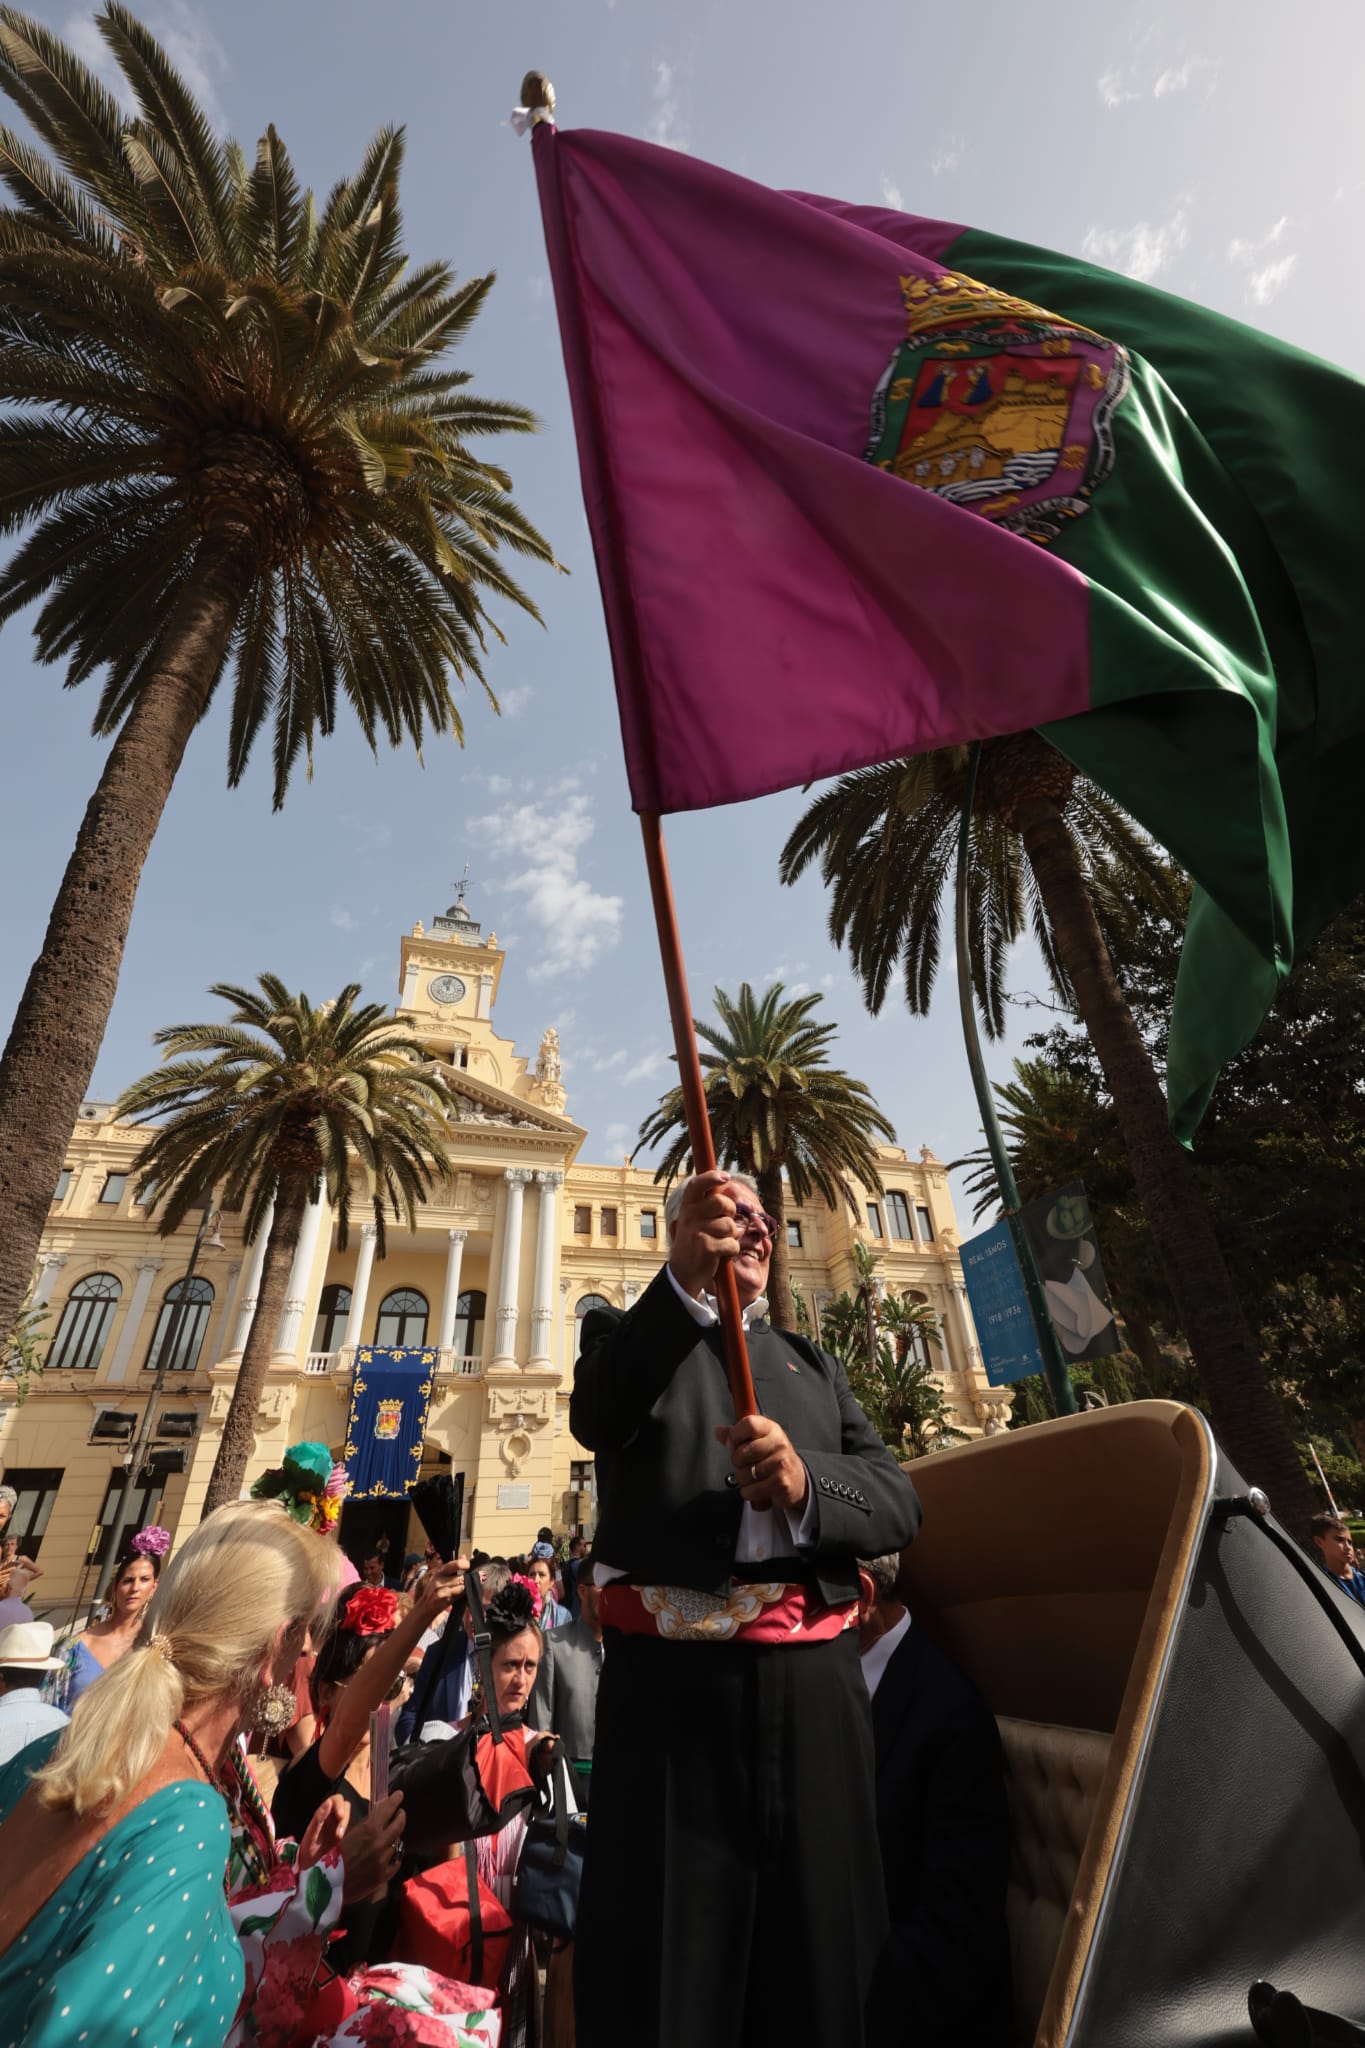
1145	1348
772	1194
239	1429
62	1014
1247	1418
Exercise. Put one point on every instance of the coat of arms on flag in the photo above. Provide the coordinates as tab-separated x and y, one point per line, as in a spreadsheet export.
388	1420
997	406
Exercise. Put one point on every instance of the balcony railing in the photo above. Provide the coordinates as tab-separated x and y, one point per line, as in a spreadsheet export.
451	1364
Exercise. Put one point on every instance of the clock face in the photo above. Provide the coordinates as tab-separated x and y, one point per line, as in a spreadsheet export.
445	988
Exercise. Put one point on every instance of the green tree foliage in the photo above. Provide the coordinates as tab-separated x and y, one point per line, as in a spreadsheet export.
27	1349
779	1111
883	1342
1043	845
1281	1157
284	1104
236	445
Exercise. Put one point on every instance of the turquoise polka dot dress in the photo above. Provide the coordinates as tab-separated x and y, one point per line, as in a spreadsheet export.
136	1947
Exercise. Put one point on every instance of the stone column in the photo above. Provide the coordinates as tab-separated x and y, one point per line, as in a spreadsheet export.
450	1300
505	1344
542	1309
360	1288
49	1266
214	1350
300	1276
962	1312
147	1270
251	1282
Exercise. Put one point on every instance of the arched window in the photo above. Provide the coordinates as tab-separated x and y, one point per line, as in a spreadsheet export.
334	1306
470	1311
585	1304
85	1323
185	1340
402	1319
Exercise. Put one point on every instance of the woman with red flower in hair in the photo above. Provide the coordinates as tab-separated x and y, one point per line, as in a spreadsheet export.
359	1666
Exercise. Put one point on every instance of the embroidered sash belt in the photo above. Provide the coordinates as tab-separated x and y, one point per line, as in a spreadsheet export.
760	1613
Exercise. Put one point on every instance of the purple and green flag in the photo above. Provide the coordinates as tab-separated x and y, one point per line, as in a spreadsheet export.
1128	525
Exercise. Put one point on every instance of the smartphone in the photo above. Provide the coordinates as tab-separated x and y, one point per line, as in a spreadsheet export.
381	1742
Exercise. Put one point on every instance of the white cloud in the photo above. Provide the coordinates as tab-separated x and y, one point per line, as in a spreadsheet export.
619	1138
1267	274
341	920
947	156
538	287
514	701
665	125
498	785
1115	88
891	194
647	1066
1265	285
576	924
1143	251
183	33
1122	85
1180	76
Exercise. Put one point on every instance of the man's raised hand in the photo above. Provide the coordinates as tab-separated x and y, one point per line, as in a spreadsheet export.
707	1231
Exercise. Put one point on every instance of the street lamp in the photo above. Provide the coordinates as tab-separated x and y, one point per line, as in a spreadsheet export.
206	1239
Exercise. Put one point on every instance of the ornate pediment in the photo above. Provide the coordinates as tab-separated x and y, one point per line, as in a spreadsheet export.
482	1103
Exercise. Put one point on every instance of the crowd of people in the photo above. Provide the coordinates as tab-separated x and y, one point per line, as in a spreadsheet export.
277	1797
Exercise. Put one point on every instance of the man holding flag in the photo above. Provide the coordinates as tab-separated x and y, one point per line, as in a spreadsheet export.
732	1891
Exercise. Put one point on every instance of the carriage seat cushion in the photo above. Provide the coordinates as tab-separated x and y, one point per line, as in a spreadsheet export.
1054	1778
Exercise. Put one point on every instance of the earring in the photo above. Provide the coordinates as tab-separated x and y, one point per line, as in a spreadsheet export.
273	1708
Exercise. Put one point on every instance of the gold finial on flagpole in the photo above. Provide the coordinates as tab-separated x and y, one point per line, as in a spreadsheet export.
537	91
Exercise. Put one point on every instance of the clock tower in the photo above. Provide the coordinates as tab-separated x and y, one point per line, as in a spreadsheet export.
450	976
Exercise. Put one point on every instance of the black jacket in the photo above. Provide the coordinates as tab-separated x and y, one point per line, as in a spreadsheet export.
650	1388
943	1825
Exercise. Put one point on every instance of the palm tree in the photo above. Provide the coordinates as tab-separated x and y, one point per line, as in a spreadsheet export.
883	1343
777	1108
1048	845
237	441
286	1102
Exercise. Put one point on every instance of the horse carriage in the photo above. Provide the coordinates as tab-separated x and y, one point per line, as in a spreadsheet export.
1180	1696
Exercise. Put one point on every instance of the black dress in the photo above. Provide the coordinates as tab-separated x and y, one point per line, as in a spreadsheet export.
369	1924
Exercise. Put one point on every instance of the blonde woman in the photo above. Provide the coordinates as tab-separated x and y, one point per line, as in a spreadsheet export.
120	1930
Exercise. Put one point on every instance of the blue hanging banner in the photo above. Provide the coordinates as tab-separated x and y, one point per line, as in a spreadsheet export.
388	1420
1000	1310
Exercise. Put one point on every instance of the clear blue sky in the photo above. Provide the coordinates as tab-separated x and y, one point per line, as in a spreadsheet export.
1211	147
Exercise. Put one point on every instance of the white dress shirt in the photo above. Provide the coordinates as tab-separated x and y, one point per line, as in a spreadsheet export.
24	1716
882	1651
757	1526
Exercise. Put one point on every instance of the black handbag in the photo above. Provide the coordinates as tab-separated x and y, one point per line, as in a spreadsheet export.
550	1867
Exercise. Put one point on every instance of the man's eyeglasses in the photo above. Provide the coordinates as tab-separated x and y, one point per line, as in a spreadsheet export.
749	1216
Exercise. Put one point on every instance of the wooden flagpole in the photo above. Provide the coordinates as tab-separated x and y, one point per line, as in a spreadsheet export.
694	1098
537	104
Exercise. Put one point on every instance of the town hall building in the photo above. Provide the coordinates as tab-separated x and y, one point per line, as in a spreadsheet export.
509	1254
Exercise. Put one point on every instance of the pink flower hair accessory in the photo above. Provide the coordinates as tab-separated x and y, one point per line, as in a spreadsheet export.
152	1542
533	1588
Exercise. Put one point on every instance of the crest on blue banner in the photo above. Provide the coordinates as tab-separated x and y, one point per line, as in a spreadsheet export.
388	1420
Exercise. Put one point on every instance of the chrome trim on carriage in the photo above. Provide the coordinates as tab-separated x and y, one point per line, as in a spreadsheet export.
1140	1763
